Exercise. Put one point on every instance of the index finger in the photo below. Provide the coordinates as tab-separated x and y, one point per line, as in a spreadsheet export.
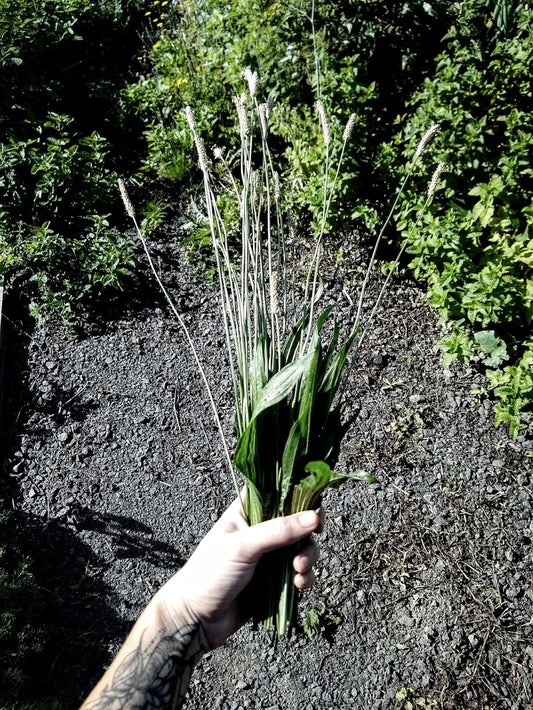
278	532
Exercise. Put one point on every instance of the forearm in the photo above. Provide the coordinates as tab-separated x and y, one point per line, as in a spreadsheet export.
153	667
196	611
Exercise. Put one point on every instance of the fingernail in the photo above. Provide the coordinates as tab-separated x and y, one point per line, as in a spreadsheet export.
307	519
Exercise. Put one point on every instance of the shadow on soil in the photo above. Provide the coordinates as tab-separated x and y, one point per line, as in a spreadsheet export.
59	620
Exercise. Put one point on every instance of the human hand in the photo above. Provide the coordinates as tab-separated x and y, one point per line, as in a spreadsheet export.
208	589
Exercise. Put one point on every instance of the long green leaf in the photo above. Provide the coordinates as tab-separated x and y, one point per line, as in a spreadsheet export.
244	456
281	384
257	372
307	493
295	337
292	451
254	504
308	392
332	378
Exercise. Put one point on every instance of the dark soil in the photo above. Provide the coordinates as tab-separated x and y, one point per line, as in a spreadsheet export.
114	468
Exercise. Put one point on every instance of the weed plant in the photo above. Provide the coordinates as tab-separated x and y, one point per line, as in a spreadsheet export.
287	366
474	245
371	54
58	75
378	59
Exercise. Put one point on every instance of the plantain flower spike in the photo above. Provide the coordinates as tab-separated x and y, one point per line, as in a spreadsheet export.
435	179
428	135
241	103
324	122
253	80
125	199
200	148
348	130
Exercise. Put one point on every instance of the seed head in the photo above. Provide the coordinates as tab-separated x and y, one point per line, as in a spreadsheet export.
253	80
202	154
125	199
217	152
263	119
269	105
428	135
348	130
435	179
200	148
274	302
241	103
189	115
256	186
277	186
324	122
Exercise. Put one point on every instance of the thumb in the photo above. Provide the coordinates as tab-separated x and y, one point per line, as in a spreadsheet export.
279	532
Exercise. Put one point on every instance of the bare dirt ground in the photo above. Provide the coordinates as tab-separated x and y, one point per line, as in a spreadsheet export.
113	466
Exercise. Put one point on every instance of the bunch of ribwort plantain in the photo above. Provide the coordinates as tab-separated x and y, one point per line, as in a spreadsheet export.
286	372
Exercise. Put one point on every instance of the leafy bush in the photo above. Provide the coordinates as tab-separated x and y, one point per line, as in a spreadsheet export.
475	249
369	51
57	81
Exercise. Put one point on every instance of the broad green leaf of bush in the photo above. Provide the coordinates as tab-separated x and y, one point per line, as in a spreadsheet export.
493	347
474	246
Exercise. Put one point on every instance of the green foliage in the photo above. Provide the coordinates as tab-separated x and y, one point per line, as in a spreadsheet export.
513	385
321	621
153	216
475	246
408	699
200	54
26	649
49	240
57	183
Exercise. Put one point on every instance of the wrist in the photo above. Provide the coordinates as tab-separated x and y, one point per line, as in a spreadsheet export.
172	609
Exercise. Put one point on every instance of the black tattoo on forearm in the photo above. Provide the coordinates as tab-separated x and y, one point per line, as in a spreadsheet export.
154	677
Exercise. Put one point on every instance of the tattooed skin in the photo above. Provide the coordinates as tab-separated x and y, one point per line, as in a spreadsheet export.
156	676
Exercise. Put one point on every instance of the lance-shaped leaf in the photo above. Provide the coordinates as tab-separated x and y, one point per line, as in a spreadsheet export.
281	384
254	504
331	381
307	493
308	391
291	454
257	372
245	452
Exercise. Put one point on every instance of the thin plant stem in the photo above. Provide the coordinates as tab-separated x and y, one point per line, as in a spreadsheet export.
197	360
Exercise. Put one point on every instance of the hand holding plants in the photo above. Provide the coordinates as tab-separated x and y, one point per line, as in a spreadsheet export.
196	611
212	588
287	368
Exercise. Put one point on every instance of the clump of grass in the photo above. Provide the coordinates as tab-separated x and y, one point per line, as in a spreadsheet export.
286	372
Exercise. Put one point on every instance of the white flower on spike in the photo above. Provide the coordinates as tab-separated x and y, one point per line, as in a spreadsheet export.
274	302
200	148
435	179
348	130
202	154
428	135
277	186
125	198
324	122
241	103
253	80
189	115
269	106
263	119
